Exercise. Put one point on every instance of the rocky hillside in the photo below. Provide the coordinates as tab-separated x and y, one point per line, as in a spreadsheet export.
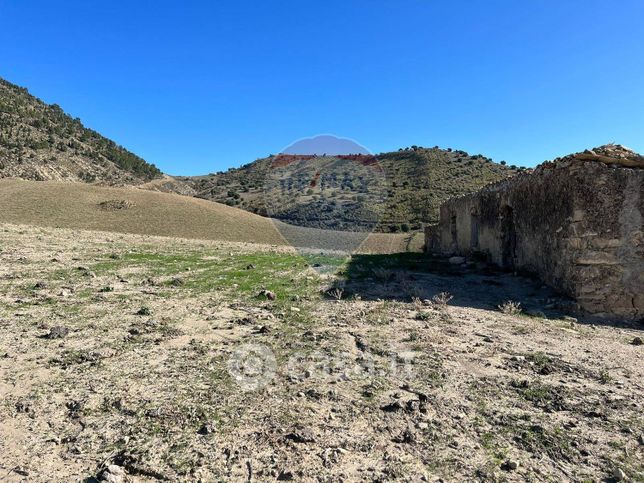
41	142
399	189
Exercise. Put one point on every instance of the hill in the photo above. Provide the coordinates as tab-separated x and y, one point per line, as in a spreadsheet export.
137	211
389	192
398	191
41	142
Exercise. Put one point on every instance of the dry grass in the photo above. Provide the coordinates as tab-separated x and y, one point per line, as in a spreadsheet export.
82	206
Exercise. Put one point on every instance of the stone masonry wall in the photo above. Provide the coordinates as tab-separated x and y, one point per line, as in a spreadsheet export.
577	224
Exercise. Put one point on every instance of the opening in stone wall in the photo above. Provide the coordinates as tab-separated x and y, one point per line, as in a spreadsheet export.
508	237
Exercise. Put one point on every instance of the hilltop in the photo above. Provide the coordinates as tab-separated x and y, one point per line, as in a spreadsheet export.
342	191
40	142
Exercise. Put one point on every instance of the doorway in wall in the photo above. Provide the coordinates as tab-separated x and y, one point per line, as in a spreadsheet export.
508	237
474	232
454	233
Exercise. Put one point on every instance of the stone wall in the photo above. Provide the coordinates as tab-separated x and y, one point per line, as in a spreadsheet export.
575	222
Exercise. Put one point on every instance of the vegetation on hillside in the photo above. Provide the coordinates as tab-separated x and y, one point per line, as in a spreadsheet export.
40	141
402	190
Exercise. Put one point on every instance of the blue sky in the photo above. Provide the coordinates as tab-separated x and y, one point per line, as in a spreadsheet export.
199	86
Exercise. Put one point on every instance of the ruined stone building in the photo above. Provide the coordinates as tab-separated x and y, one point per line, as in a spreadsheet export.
575	222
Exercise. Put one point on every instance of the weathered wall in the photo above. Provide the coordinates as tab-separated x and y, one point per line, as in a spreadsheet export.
576	224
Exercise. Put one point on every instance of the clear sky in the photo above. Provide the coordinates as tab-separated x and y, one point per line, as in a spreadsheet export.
200	86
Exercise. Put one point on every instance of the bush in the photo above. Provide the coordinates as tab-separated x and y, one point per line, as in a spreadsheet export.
510	308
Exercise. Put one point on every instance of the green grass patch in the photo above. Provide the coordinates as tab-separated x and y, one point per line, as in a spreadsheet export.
285	274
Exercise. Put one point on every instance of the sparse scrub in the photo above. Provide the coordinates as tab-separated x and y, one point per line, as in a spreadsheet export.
510	308
442	299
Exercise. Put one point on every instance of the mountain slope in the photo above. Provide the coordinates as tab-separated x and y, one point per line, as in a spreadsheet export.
40	142
406	186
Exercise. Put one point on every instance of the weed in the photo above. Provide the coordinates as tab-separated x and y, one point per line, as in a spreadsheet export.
510	308
144	311
605	377
442	299
423	315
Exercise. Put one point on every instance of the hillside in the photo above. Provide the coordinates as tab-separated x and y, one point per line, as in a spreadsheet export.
137	211
41	142
399	190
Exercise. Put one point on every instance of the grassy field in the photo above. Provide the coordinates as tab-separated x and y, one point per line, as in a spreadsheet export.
131	210
159	359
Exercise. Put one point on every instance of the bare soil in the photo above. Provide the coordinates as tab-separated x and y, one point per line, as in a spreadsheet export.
169	359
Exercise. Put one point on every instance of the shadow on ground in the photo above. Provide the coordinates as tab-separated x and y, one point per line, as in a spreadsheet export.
405	276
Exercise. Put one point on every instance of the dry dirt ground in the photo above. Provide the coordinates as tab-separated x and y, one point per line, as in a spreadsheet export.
132	358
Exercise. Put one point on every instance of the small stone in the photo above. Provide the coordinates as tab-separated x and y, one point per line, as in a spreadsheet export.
113	474
207	428
618	474
57	332
295	309
510	465
637	341
285	475
301	435
392	407
457	260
